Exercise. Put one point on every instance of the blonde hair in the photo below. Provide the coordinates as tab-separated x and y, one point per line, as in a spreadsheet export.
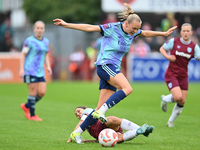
39	21
186	24
128	14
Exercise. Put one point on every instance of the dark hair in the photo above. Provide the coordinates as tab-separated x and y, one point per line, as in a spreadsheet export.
83	107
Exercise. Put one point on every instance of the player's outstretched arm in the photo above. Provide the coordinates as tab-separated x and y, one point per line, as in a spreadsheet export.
149	33
171	58
81	27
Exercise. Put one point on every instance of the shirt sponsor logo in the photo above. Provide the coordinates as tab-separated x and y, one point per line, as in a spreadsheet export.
183	54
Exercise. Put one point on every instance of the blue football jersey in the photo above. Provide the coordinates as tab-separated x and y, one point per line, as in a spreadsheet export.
34	60
115	44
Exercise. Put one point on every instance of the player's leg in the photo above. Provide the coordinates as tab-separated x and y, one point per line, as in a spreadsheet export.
32	87
88	122
132	129
104	95
41	90
177	109
172	84
117	80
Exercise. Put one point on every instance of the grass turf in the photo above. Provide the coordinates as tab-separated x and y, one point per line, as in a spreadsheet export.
57	111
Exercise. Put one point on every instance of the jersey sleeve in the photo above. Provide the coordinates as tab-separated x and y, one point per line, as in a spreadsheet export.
169	44
197	52
26	46
106	29
137	33
85	113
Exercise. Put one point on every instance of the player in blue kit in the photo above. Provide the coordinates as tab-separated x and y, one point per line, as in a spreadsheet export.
117	38
34	54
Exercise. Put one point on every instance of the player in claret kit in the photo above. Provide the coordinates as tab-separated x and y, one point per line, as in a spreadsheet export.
117	124
182	50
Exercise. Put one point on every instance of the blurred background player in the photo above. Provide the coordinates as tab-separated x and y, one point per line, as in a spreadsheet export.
182	50
34	54
117	124
117	38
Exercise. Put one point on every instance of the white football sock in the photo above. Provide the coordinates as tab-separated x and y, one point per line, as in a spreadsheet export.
168	98
129	135
104	108
128	125
78	130
175	113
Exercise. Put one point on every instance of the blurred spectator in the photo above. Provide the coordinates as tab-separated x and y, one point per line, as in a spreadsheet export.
168	22
146	26
141	48
77	64
110	19
91	57
6	35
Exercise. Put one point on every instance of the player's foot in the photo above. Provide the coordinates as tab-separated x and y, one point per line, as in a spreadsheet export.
35	118
76	137
145	129
99	115
163	104
170	124
26	110
148	131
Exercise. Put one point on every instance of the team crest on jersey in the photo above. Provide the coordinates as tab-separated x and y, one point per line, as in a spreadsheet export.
189	49
170	85
178	46
106	26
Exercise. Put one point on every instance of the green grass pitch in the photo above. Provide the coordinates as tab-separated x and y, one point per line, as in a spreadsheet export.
57	111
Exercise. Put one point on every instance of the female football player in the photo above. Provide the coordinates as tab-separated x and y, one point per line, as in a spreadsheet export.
117	124
34	54
182	50
117	38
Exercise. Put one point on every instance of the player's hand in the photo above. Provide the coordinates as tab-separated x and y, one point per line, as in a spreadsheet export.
21	73
49	70
59	22
70	140
170	31
172	58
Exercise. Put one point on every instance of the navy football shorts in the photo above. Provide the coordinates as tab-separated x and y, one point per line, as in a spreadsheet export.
33	79
105	72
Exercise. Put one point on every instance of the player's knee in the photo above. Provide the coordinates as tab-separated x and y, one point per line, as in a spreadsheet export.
114	119
41	93
178	98
128	91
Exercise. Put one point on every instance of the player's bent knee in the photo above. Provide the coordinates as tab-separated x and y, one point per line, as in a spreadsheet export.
178	98
41	94
128	91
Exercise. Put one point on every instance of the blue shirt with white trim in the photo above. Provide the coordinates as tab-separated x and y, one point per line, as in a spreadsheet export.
115	44
34	60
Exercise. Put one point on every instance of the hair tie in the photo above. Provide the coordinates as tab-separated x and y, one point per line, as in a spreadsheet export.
131	13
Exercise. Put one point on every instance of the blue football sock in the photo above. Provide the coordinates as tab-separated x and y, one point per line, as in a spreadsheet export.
31	104
88	122
37	98
115	98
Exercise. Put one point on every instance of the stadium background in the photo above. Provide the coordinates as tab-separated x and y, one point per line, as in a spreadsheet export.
66	41
63	96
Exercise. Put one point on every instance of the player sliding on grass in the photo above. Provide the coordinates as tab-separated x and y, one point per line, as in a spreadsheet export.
117	38
117	124
182	50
